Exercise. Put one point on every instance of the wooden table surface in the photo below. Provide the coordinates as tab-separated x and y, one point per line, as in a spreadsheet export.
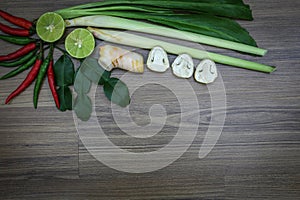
256	157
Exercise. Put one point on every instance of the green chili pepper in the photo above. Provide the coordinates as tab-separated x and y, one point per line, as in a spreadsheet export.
19	61
41	76
17	39
19	69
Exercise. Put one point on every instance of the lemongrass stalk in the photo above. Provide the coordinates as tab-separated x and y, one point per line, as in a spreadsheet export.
133	40
103	21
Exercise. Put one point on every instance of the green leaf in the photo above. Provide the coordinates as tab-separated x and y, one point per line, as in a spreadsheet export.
93	71
82	84
214	8
117	92
200	23
64	71
83	107
89	72
65	98
227	8
209	17
209	25
234	2
104	78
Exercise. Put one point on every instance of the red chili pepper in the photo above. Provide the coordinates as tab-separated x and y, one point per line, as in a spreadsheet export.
20	52
28	80
52	85
16	20
14	31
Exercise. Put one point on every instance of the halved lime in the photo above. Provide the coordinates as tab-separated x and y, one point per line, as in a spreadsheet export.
80	43
50	27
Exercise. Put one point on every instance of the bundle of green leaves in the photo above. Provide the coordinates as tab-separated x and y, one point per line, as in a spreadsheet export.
90	72
214	18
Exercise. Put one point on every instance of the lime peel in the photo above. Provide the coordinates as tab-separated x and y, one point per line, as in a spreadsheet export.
80	43
50	27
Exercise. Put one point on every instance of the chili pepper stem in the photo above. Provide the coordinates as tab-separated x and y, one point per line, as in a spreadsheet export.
62	50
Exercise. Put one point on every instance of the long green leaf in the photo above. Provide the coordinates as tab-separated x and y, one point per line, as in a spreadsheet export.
202	23
208	25
234	2
237	10
69	14
140	8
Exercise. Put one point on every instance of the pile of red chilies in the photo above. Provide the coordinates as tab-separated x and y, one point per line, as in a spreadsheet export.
30	55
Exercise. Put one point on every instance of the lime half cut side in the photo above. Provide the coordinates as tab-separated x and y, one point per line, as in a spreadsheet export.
80	43
50	27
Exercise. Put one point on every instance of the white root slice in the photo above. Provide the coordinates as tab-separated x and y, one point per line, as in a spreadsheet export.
114	57
206	72
183	66
158	60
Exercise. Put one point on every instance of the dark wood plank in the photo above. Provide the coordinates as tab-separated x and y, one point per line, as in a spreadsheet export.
256	157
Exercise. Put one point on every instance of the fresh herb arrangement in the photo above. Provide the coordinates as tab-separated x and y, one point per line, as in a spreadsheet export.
210	22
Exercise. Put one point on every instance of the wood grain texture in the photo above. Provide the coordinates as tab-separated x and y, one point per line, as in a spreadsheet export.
256	157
